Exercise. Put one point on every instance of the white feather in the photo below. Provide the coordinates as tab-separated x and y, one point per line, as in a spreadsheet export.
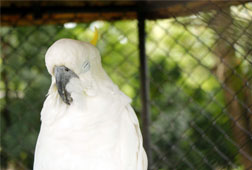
99	130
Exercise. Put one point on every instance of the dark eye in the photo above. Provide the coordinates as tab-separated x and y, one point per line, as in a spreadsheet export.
86	66
66	69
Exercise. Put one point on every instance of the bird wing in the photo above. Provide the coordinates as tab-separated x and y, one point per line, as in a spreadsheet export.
132	152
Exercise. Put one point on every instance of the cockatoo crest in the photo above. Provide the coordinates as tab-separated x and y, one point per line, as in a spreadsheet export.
95	39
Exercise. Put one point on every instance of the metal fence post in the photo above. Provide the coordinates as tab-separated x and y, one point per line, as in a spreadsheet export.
145	115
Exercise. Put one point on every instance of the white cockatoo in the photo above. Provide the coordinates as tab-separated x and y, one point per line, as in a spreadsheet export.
87	122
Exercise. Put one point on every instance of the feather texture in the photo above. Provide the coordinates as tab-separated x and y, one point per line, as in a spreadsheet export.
99	130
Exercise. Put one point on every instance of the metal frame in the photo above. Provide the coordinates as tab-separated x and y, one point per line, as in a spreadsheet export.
56	12
145	97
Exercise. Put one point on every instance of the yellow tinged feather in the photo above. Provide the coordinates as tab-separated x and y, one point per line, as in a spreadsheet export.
95	39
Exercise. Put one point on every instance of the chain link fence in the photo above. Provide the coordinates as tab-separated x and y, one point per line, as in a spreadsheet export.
200	72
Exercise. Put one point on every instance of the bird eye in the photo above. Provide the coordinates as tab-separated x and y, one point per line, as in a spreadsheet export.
86	66
66	69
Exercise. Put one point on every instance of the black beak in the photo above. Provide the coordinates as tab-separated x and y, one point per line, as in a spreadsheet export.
63	75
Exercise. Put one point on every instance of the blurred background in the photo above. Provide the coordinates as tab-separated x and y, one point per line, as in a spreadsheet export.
187	65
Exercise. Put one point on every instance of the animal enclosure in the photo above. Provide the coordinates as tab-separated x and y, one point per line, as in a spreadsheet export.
186	65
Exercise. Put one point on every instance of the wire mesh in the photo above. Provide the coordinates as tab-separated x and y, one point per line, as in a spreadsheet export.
200	70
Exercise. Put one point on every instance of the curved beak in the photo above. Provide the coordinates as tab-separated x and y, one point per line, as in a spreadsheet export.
63	75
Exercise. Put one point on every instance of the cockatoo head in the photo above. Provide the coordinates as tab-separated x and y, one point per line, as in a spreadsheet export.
67	59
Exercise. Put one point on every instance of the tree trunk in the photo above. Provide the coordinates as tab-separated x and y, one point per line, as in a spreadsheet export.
237	95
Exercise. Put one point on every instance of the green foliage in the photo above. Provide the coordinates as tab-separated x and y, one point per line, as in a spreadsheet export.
190	127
